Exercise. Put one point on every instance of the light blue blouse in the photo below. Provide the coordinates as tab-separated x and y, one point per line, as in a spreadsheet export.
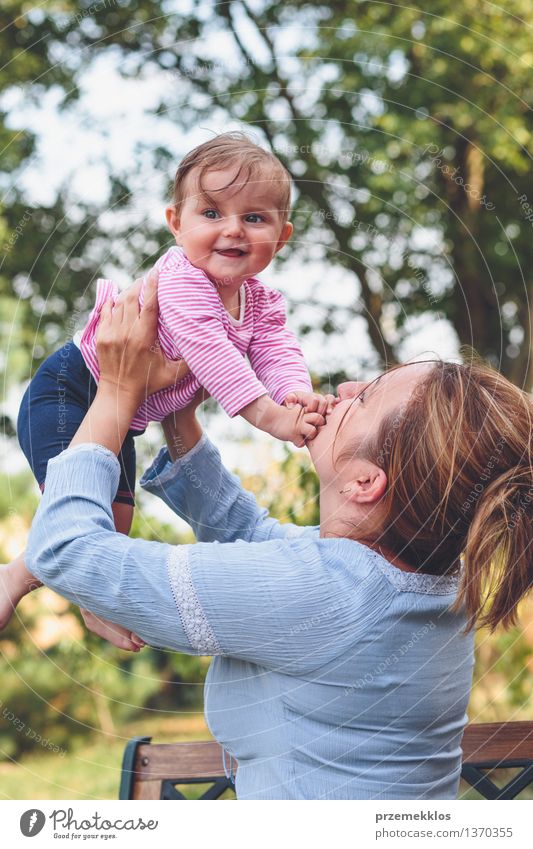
336	675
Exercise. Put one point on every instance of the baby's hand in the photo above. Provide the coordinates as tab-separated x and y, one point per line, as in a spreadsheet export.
309	424
312	402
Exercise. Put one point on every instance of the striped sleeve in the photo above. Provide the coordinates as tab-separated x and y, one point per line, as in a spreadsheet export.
105	290
274	352
191	315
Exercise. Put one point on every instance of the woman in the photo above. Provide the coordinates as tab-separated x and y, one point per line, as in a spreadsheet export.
342	662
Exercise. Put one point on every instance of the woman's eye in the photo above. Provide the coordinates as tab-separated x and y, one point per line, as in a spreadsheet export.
254	218
210	213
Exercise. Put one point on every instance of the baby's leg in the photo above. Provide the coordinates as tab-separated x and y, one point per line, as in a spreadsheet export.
51	411
15	583
123	516
124	503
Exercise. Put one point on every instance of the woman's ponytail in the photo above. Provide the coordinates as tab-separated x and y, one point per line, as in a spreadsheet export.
498	556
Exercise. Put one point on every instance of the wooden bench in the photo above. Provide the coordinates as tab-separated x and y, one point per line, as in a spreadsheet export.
157	771
498	745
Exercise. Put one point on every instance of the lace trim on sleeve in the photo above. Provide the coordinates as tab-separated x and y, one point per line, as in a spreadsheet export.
192	615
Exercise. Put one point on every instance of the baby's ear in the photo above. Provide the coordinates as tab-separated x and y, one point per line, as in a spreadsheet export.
173	221
284	236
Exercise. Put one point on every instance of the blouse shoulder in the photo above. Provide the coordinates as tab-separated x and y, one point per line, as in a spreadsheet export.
309	588
367	560
174	258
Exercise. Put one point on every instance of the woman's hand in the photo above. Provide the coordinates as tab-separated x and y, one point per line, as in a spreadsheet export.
129	355
132	366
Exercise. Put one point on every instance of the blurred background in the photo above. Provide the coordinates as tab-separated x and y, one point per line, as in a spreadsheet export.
408	133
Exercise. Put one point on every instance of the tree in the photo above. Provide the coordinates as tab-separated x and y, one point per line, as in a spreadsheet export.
409	136
51	254
407	131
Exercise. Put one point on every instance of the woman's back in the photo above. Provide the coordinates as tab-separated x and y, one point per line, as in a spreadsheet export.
382	717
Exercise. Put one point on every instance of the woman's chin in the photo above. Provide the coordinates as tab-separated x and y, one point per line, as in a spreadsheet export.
318	446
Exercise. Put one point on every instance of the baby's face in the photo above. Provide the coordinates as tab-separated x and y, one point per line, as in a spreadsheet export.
234	234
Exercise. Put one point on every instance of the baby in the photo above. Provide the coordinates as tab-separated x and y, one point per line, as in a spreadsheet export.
229	217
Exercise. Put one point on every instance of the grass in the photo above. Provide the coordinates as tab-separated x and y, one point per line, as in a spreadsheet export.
92	771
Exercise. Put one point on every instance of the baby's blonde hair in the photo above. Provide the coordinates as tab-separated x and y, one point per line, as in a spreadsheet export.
252	164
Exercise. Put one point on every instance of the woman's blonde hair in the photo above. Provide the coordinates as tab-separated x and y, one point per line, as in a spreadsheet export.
458	461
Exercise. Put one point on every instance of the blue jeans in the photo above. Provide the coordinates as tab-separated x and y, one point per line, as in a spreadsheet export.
52	409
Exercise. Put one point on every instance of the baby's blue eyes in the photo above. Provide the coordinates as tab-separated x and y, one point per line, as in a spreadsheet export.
251	218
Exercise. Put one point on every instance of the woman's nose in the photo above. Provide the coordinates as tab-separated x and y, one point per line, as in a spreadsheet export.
350	389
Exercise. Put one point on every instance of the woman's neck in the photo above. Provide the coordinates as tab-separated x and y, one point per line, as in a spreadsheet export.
337	521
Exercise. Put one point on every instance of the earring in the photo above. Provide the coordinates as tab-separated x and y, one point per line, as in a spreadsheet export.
348	489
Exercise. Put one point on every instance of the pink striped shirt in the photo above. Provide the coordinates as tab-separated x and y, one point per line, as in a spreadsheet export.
194	324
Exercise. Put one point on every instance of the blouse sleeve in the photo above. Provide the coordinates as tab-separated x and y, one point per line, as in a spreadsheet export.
190	316
212	500
273	603
274	352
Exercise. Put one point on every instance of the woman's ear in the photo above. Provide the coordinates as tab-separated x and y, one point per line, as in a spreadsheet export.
368	486
173	221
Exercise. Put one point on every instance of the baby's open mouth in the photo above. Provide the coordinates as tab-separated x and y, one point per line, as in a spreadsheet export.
233	252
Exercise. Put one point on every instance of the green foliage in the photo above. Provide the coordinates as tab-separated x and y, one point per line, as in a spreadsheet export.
409	135
407	130
18	494
91	768
289	490
503	688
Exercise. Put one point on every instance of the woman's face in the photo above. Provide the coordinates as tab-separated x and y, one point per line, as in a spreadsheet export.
359	414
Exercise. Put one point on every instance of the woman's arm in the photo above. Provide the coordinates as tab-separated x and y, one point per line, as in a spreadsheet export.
191	479
248	600
74	549
275	603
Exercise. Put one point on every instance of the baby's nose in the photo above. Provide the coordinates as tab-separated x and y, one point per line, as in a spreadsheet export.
232	224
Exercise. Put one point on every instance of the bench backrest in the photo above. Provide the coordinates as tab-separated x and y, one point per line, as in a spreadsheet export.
155	771
152	770
498	746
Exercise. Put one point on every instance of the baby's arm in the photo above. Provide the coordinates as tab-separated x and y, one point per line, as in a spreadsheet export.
277	359
294	424
190	314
